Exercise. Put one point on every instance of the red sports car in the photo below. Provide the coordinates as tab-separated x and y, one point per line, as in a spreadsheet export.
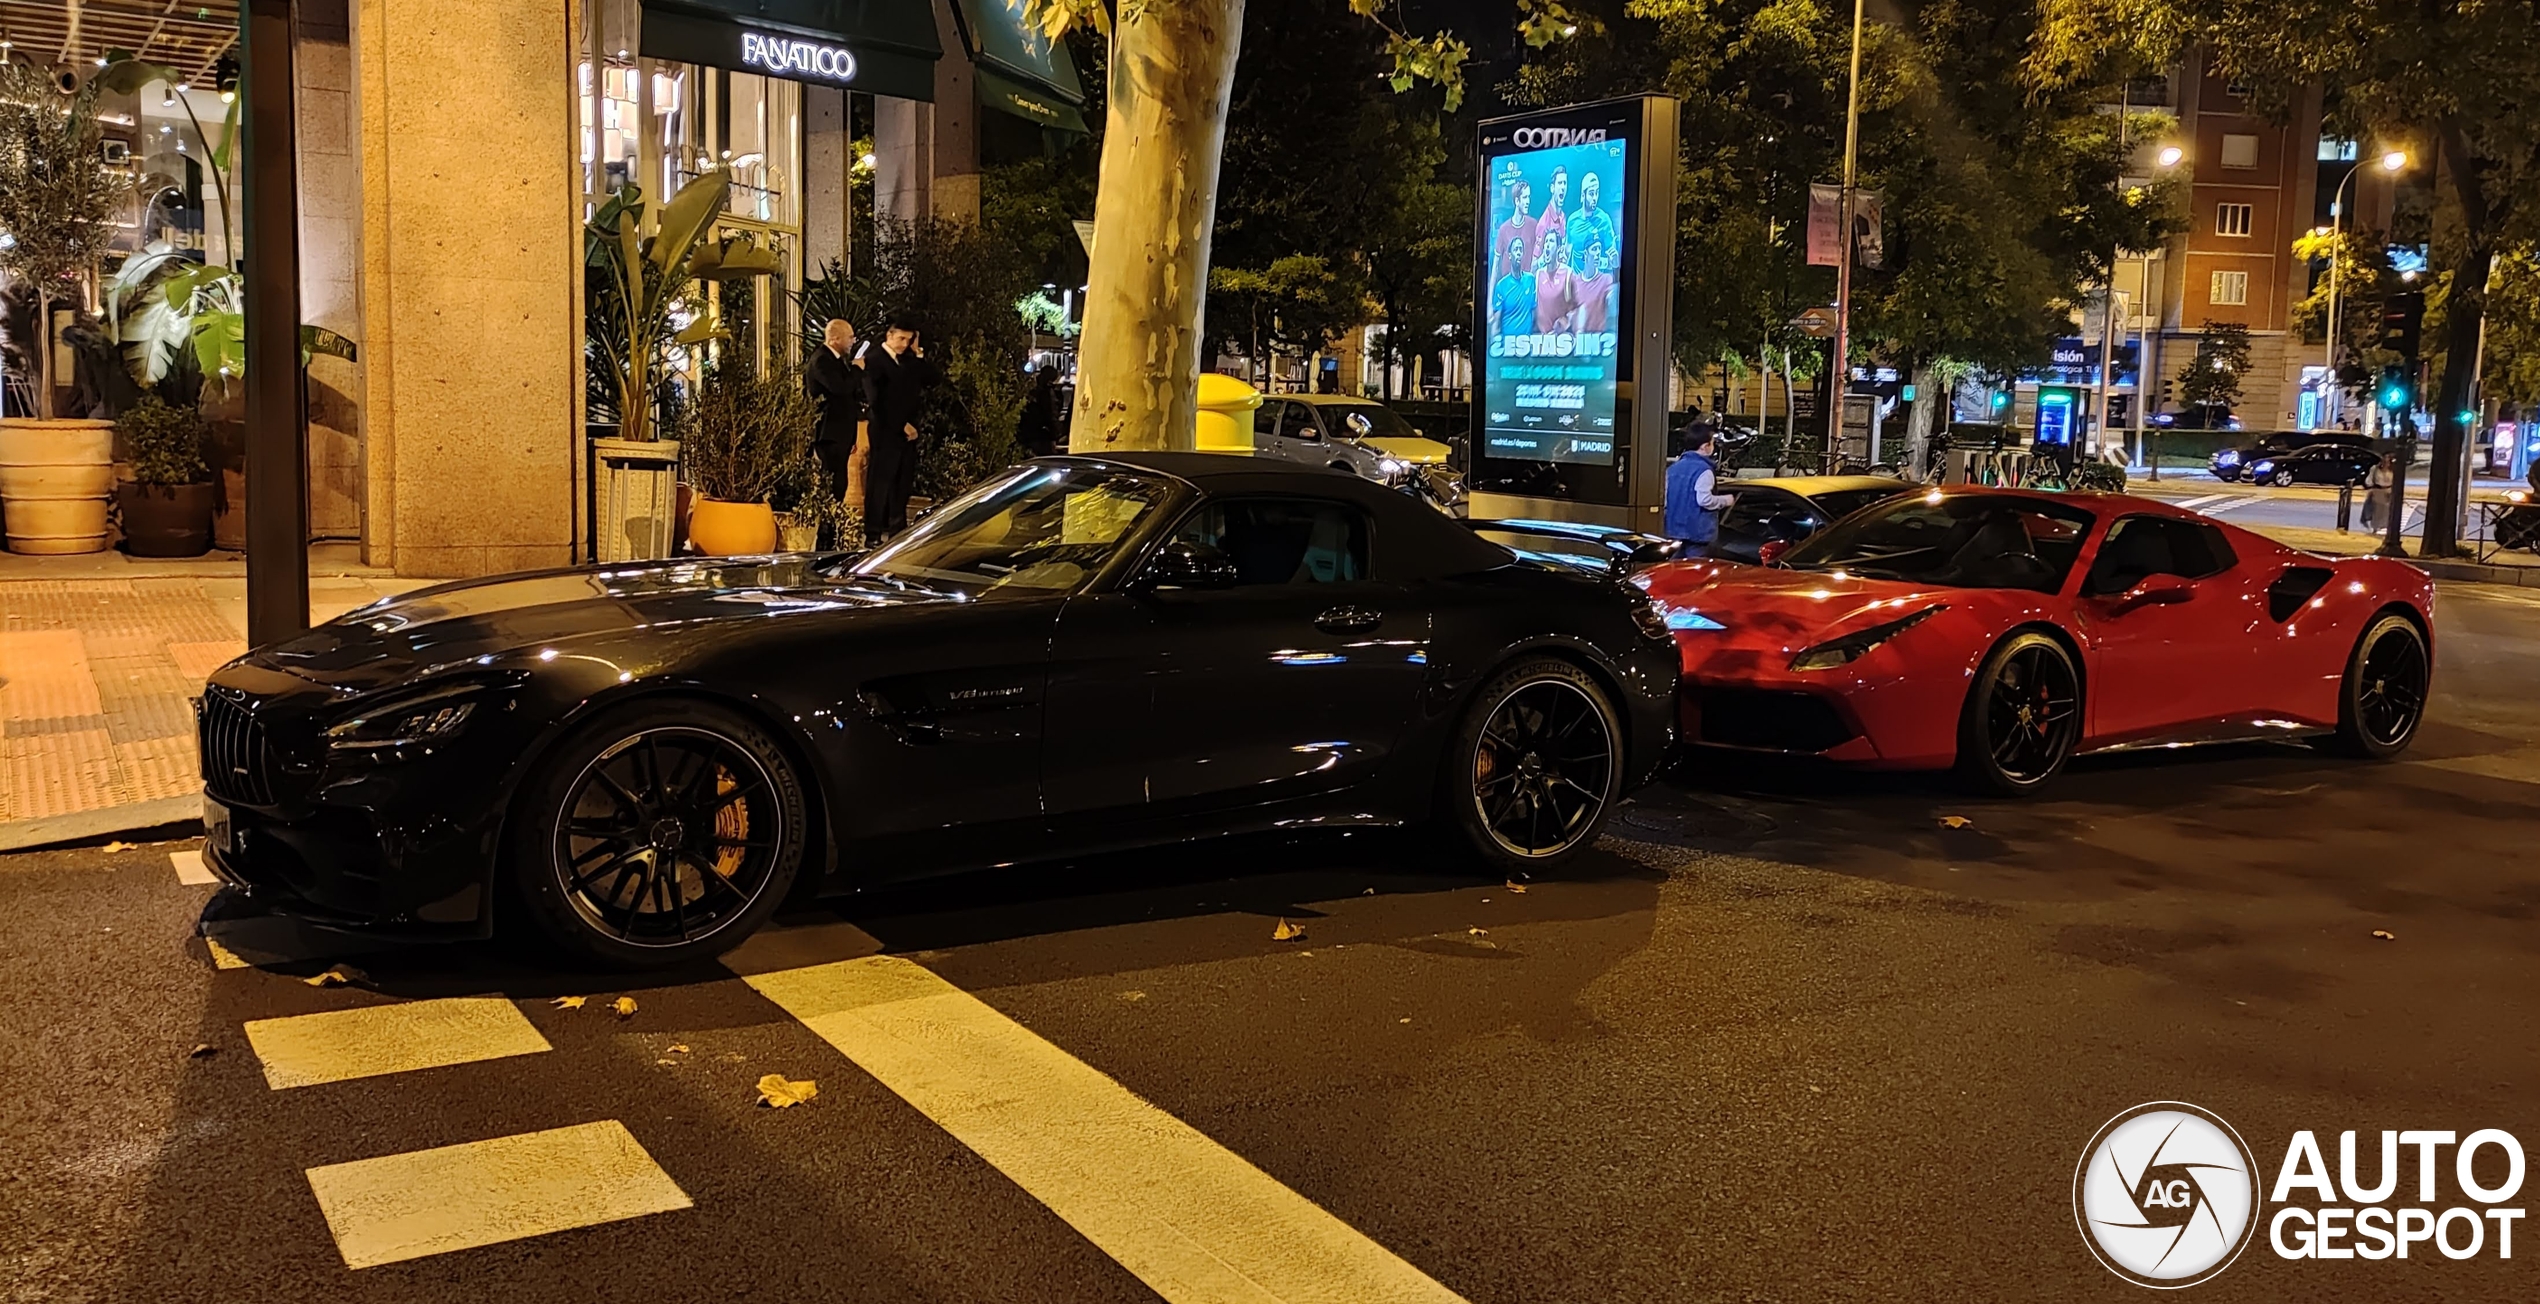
2003	631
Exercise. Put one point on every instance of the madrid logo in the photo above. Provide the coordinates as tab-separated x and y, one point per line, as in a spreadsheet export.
2166	1194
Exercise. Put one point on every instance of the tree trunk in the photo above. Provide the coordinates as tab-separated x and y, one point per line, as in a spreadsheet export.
2465	309
1172	71
1918	426
43	343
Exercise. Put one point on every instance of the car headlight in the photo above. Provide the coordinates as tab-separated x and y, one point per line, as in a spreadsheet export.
2262	467
408	722
1852	647
2226	458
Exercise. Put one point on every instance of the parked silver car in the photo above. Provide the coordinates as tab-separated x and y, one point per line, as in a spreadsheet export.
1357	435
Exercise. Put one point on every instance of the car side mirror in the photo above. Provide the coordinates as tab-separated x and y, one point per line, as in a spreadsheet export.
1359	426
1182	564
1771	552
2155	591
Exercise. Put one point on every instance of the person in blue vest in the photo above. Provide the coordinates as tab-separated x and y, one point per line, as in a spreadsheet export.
1693	501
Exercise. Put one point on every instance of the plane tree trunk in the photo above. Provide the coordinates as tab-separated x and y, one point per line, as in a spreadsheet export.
1172	72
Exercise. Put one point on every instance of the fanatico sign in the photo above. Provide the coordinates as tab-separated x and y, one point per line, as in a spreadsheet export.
1550	137
788	57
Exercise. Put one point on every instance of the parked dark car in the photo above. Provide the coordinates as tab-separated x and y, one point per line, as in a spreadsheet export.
2315	464
1770	515
2197	416
1083	653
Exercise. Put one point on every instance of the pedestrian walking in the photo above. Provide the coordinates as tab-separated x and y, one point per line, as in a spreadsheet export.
2376	494
1693	502
836	381
896	377
1038	430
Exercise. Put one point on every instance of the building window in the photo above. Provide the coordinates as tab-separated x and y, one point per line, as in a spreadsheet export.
2233	219
2240	151
2230	289
2238	90
2333	150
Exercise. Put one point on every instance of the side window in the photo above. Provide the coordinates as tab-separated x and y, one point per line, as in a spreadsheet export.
2140	547
1750	512
1265	418
1299	423
1284	540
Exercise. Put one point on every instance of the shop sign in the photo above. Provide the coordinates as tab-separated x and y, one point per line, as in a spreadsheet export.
793	57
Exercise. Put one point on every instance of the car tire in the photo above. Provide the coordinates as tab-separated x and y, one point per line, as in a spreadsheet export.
2381	699
2022	717
2282	479
1535	769
689	780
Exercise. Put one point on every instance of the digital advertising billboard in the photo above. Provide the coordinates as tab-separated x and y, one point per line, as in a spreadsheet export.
1559	215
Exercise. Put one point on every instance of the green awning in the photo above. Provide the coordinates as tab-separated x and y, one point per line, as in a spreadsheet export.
997	91
880	47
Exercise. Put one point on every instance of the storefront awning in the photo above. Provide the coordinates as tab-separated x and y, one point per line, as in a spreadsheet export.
880	47
1020	70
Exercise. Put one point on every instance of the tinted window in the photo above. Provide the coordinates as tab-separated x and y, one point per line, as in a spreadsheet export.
1971	541
1382	422
1265	418
1298	423
1284	540
2139	547
1038	531
1844	502
1764	511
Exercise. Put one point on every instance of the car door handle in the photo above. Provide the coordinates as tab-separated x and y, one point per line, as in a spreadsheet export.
1348	620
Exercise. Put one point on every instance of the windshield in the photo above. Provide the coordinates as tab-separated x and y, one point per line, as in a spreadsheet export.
1382	422
1039	531
1967	541
1843	502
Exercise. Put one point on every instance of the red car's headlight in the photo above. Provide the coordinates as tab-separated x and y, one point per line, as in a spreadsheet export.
1851	647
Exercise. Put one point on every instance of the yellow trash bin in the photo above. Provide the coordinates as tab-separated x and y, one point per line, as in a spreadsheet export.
1226	406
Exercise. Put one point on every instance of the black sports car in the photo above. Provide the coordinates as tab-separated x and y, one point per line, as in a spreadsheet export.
2331	464
1080	654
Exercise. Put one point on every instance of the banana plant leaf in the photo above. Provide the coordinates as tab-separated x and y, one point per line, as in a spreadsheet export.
684	218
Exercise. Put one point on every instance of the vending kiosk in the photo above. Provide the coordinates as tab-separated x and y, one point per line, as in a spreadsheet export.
1574	296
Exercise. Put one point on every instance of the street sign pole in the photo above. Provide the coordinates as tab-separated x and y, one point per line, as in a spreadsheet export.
1839	380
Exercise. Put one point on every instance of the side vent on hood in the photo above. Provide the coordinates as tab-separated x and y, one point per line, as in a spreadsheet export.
2293	588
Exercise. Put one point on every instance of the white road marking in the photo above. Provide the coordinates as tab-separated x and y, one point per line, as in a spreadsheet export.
2193	503
308	1049
427	1202
189	868
1196	1222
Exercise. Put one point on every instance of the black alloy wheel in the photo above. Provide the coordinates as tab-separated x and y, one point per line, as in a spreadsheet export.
1535	769
2384	693
2022	720
660	835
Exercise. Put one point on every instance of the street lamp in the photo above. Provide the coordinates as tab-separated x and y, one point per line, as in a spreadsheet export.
2170	155
2392	161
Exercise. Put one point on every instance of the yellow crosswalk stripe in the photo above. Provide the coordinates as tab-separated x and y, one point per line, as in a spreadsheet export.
307	1049
427	1202
222	956
1195	1221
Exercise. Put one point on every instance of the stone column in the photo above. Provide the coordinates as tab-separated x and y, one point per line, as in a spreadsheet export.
330	258
903	159
956	191
828	163
471	294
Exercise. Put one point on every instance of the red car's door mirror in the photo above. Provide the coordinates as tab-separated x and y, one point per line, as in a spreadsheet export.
2155	591
1771	551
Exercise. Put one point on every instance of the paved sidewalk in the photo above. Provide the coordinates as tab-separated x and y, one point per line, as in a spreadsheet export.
99	660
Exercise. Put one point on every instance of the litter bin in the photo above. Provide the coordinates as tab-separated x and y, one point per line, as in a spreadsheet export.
1226	406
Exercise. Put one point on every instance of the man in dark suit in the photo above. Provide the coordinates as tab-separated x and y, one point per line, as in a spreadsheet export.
895	380
836	383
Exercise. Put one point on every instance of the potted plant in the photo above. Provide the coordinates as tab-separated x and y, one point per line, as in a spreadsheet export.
742	440
167	509
810	511
58	200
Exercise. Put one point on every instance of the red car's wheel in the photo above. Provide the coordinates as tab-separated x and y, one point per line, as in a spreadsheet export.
2383	697
2022	719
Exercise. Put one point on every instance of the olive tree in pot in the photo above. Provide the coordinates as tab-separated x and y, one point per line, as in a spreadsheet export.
742	440
167	509
57	204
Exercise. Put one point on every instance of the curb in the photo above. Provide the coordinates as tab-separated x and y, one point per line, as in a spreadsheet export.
81	825
2478	572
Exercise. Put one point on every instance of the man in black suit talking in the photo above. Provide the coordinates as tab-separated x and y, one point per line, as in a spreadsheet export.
836	382
895	378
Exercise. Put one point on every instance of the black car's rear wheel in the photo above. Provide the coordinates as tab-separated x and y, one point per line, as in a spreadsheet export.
661	833
2022	719
2383	696
1536	766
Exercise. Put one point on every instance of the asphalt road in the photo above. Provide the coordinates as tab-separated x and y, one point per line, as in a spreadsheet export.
1787	1037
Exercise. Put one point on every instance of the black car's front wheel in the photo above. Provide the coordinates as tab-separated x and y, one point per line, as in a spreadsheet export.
1536	767
2282	479
660	833
2382	698
2022	719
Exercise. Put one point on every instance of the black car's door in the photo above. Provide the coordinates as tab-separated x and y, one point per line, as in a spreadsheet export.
1296	680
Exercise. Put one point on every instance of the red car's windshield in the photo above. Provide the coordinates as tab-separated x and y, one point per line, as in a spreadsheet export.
1967	541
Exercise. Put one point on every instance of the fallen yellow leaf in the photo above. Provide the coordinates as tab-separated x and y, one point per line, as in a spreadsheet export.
1956	822
1287	932
1477	932
2385	934
677	1049
625	1006
568	1002
1515	886
776	1091
203	1050
335	976
118	846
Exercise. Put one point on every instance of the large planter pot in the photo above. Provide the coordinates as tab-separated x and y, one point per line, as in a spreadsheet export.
55	478
167	520
229	523
724	529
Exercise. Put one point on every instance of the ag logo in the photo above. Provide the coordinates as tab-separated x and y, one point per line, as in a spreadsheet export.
2165	1195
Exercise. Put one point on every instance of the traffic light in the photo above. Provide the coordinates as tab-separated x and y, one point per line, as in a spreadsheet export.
2397	392
2403	322
2001	399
